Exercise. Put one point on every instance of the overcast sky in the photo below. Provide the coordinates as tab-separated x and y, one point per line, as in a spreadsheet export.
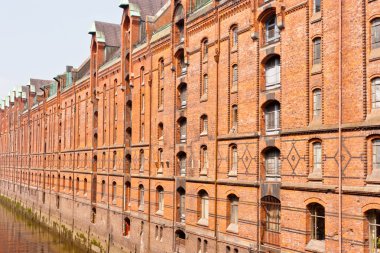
39	38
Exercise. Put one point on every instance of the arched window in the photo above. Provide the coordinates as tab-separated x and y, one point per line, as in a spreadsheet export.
182	163
142	76
127	195
93	215
85	187
160	131
160	161
232	212
204	160
161	68
204	125
317	6
234	118
273	73
317	104
233	161
142	132
272	33
103	190
317	157
77	186
271	207
317	221
376	93
205	85
272	165
181	204
114	192
234	37
142	161
234	77
160	199
203	207
373	218
183	95
376	155
183	130
179	24
375	33
272	118
127	226
317	51
205	48
142	103
114	160
141	197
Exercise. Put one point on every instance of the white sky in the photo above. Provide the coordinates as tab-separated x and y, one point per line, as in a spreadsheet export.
38	38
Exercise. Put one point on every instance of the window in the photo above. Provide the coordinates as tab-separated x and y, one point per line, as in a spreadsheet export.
77	186
204	160
160	131
181	204
234	118
317	157
272	32
376	155
142	161
317	6
272	207
233	210
376	93
204	207
317	51
317	103
160	161
272	73
205	85
160	199
142	77
182	163
204	124
161	97
317	221
114	189
205	243
272	118
141	197
142	132
142	103
162	68
127	226
127	195
234	39
114	160
233	161
183	130
375	33
234	77
272	165
183	95
103	189
373	217
205	49
85	187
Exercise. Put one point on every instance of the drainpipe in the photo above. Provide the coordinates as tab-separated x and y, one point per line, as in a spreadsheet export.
340	127
217	54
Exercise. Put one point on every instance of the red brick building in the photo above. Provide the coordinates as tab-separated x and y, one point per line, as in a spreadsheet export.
209	126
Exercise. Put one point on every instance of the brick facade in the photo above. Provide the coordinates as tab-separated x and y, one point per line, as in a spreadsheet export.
261	112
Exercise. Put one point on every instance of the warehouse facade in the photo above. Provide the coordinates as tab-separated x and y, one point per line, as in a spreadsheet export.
209	126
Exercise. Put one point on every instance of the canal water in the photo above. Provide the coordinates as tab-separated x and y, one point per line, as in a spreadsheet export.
19	234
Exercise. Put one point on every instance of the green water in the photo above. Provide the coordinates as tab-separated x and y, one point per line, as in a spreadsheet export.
19	234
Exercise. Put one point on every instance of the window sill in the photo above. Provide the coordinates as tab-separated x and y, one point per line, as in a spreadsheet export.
234	89
374	178
272	132
204	98
160	212
317	246
141	209
161	108
204	133
232	174
203	173
272	87
234	49
316	69
233	228
205	60
316	17
315	176
374	55
203	222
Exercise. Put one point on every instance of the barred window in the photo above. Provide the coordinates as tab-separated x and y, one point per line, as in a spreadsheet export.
373	217
317	223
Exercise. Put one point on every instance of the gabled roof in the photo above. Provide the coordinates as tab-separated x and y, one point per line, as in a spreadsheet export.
106	32
144	7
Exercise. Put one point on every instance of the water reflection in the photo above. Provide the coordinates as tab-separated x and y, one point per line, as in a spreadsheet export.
20	235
